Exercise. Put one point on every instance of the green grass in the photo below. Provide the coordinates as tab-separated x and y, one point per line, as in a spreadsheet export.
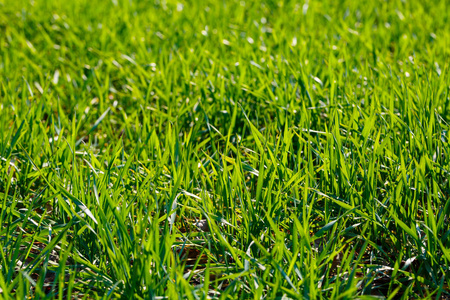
310	139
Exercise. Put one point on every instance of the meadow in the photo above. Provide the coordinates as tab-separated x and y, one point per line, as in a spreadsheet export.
269	149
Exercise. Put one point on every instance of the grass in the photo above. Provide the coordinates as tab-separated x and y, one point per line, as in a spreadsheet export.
224	149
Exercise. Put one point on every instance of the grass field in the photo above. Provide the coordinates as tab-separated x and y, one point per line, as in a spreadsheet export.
224	149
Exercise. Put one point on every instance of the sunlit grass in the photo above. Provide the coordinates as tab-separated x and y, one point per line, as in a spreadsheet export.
224	149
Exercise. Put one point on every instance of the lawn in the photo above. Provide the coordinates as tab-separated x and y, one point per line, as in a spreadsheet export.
224	149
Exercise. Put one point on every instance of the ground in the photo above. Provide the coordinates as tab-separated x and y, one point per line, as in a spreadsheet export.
224	149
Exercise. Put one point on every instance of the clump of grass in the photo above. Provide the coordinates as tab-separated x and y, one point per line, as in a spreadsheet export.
224	149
